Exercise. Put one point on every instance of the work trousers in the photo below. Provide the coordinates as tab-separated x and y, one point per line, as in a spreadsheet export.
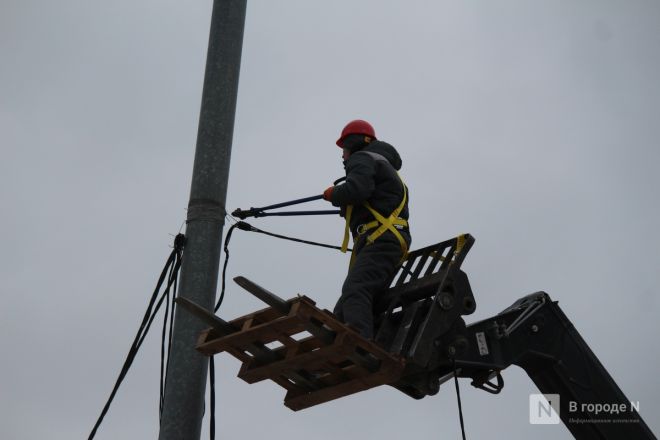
374	266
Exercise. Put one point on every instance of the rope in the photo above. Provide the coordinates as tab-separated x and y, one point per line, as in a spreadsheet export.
458	397
172	266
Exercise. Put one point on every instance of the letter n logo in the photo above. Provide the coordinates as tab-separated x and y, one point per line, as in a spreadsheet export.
544	409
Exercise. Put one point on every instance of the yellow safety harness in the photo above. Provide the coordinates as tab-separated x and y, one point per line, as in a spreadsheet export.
381	224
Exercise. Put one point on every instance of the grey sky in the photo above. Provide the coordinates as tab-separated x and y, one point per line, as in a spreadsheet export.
532	125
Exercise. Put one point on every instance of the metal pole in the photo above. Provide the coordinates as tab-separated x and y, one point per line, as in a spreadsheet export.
183	408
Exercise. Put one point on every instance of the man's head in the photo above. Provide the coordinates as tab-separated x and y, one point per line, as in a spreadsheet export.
356	135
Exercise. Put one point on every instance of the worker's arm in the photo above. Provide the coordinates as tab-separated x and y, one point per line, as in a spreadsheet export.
359	184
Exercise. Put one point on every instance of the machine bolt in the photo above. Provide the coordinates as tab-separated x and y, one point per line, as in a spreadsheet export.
446	301
535	328
451	350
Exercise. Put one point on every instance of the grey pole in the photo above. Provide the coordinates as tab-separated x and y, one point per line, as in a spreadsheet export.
185	387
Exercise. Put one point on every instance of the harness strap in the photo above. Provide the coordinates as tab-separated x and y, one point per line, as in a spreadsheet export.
347	229
386	223
381	223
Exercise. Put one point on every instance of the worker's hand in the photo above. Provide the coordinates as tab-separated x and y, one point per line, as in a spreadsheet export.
327	194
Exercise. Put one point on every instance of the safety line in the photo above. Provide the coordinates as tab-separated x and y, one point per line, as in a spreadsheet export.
458	397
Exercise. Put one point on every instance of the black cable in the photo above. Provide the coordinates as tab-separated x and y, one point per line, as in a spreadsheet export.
168	320
224	266
171	270
159	303
247	227
244	226
161	399
212	396
169	342
132	350
458	397
215	309
173	262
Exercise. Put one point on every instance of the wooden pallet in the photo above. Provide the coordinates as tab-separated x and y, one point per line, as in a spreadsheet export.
306	350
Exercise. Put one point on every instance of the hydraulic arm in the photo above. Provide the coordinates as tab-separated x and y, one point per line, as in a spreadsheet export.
421	320
535	334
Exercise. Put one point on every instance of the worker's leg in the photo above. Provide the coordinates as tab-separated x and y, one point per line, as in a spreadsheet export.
373	268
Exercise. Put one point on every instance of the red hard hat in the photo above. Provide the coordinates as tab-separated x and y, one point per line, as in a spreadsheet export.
357	126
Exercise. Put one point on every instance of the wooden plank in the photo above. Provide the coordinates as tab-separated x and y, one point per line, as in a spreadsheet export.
298	402
332	362
263	294
305	381
310	312
247	323
310	361
257	349
287	384
204	336
332	368
336	377
355	339
287	340
263	333
345	372
240	355
304	345
268	313
259	317
219	324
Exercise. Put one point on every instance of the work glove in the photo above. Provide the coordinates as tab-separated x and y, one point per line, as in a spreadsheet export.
327	194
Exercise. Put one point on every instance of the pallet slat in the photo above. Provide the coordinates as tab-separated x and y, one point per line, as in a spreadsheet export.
332	361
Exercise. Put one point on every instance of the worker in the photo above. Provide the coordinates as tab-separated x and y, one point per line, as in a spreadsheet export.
374	201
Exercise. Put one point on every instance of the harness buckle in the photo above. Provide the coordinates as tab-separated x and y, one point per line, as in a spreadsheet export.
362	229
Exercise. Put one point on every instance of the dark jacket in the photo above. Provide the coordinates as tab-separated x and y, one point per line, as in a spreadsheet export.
369	179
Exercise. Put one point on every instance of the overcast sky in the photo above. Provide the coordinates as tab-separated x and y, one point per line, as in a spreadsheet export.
532	125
